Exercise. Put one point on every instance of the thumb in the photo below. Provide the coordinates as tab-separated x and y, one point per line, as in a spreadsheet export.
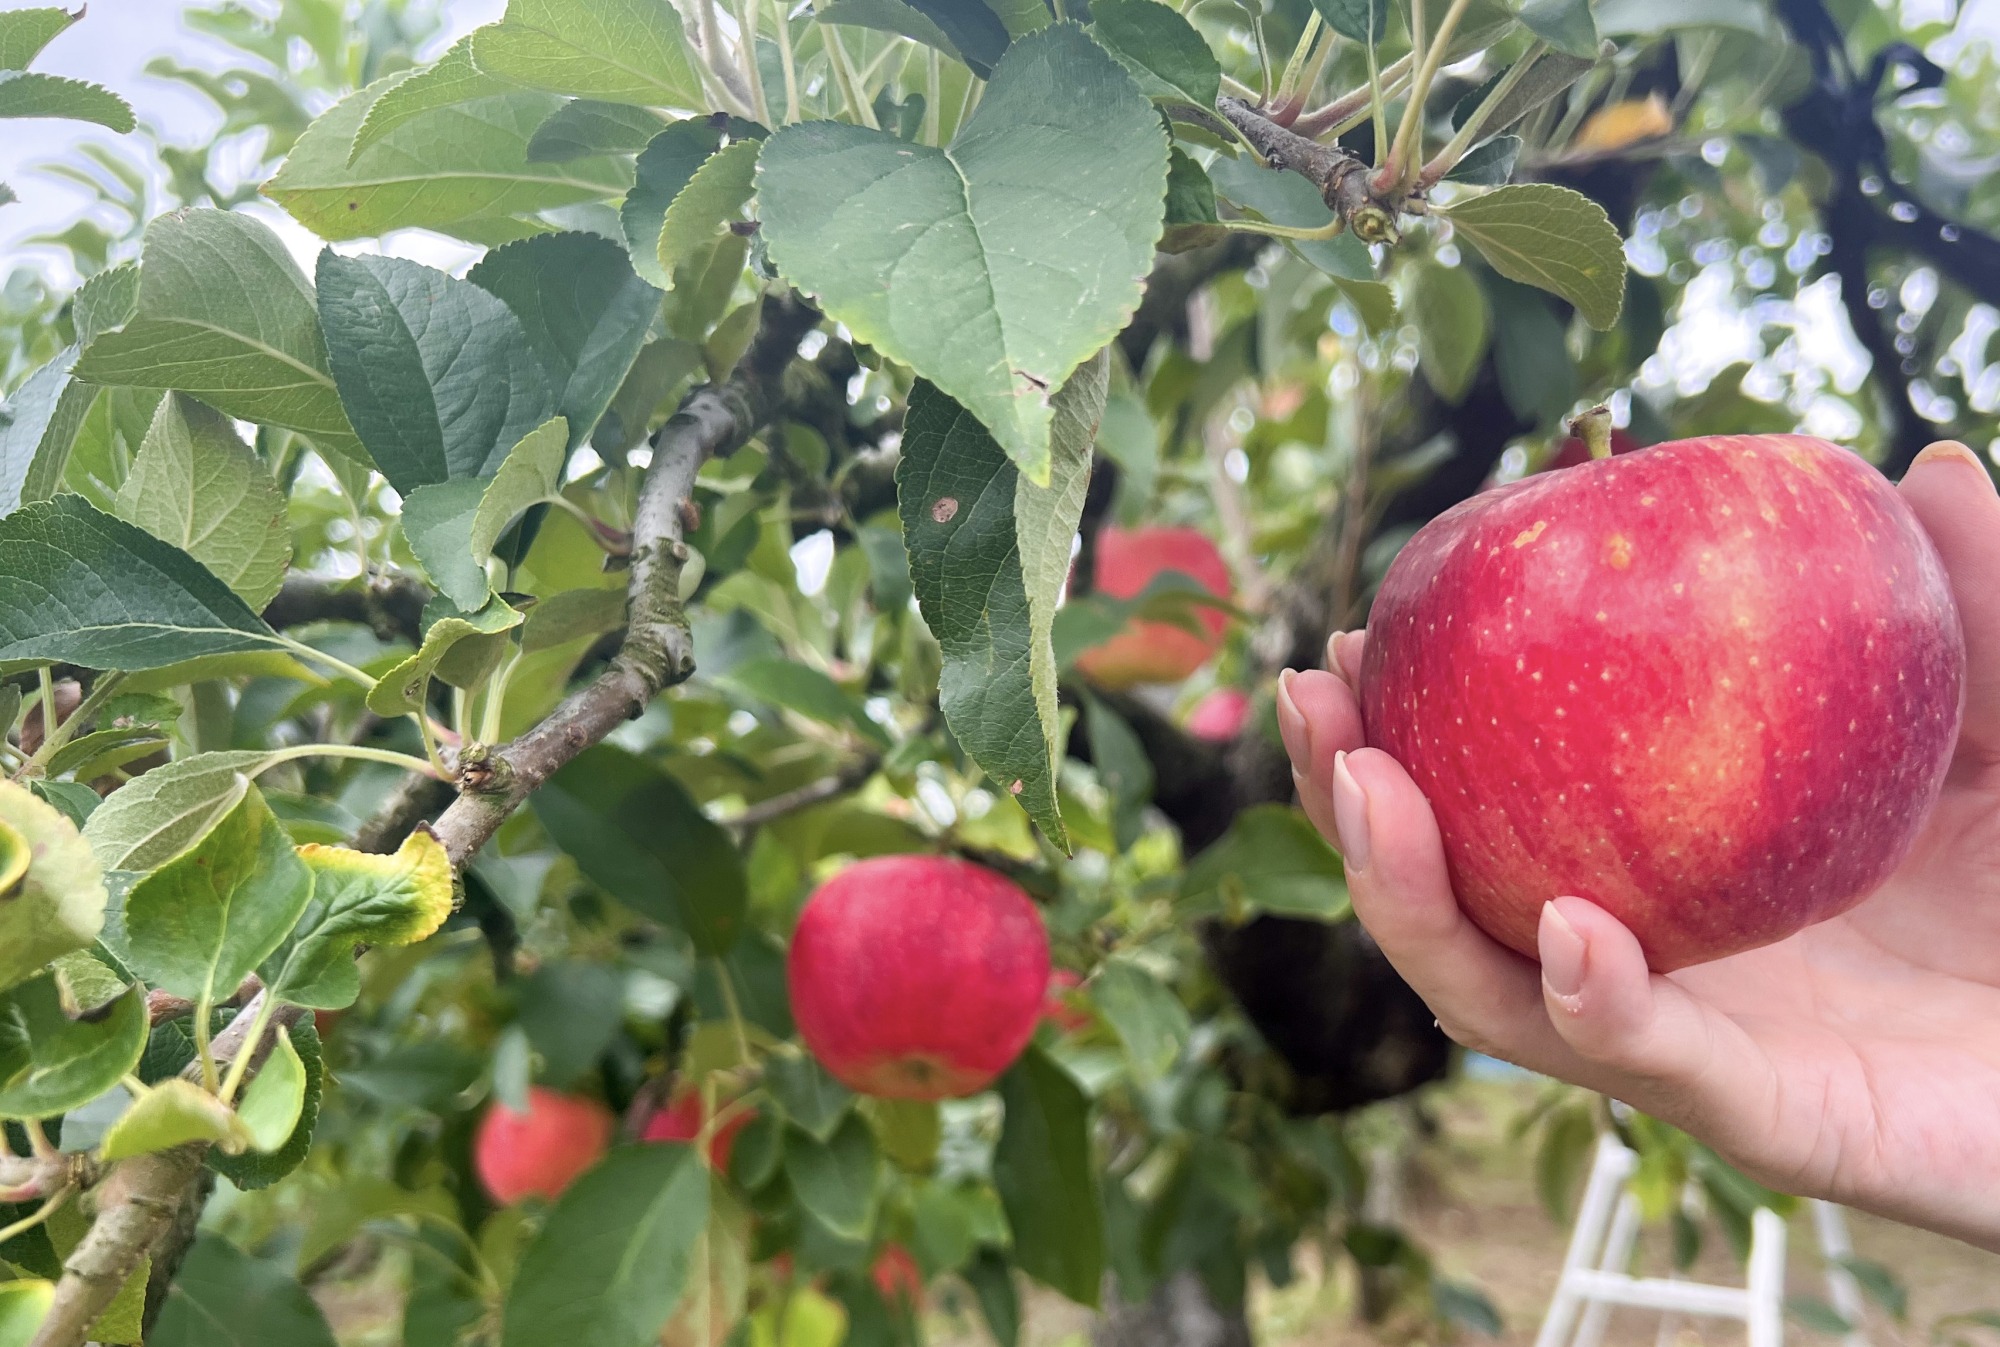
1953	497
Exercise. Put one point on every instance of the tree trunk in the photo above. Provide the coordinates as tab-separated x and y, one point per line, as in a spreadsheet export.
1179	1313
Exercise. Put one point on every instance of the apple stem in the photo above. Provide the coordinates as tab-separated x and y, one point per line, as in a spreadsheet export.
1594	429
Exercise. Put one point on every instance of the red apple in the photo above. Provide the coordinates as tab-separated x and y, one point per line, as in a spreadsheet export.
898	1277
542	1150
1573	452
1712	686
680	1120
1058	1009
1219	716
1145	650
917	977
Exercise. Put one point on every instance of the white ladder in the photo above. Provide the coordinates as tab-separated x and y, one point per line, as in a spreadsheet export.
1594	1276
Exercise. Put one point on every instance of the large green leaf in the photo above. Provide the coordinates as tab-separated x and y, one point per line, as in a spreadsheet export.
28	93
202	923
358	898
1271	860
530	474
637	834
226	315
1143	1012
1047	1179
621	51
223	1297
51	1062
836	1179
663	170
436	373
24	32
587	126
450	80
612	1260
1552	238
585	313
197	486
1364	21
401	690
1453	325
172	1113
989	552
996	266
802	688
257	1169
461	168
87	588
37	427
1163	51
150	820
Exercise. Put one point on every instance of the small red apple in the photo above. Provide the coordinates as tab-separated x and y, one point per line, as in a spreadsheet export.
542	1150
1573	452
680	1120
324	1022
898	1277
918	977
1145	650
1057	1008
1219	716
1712	686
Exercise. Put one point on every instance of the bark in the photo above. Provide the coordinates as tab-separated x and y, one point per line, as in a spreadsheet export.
1179	1313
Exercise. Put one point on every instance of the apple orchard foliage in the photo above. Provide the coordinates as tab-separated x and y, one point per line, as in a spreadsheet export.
667	597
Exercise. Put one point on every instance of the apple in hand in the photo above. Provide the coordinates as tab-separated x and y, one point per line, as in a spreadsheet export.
917	977
1147	650
541	1151
1712	686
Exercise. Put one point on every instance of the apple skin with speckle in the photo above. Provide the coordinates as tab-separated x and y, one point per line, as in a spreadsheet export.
1712	686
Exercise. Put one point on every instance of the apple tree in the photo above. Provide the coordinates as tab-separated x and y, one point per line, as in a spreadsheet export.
468	579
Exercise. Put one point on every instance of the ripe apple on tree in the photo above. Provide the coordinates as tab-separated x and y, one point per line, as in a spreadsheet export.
680	1120
542	1151
1147	650
1060	1008
898	1278
1712	686
1219	716
918	977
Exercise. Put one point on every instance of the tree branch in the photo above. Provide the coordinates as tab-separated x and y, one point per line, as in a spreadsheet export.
1342	179
391	605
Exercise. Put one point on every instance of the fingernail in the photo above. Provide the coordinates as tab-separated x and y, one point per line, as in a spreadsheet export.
1947	450
1564	956
1292	727
1350	814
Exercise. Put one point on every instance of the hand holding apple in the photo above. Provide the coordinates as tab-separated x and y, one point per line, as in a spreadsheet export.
1858	1059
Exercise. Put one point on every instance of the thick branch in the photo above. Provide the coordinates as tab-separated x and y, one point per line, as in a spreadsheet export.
393	606
1342	179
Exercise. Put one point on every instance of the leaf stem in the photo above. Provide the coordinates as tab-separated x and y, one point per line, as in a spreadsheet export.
789	62
1289	87
38	1139
359	752
747	16
843	75
934	86
1378	109
204	1010
54	739
1410	131
1475	125
239	1066
40	1214
1332	229
734	1007
339	666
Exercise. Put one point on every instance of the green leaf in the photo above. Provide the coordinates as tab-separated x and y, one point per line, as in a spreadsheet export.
1647	18
637	834
1550	237
1031	236
1364	21
202	922
585	311
447	82
612	1260
358	899
1537	376
992	1279
51	1062
438	521
1047	1179
813	1100
197	486
906	20
664	168
802	688
909	1130
1271	860
620	51
1161	49
461	168
271	1106
1453	326
24	32
530	474
105	301
437	374
24	1303
1122	766
1286	198
1551	75
703	210
225	315
223	1297
172	1113
571	615
1879	1285
253	1169
26	93
586	126
400	690
836	1180
1488	166
1562	1157
37	427
56	902
91	589
1144	1013
1815	1315
1565	25
147	822
92	755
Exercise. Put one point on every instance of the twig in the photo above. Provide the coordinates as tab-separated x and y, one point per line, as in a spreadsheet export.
804	797
1342	178
414	799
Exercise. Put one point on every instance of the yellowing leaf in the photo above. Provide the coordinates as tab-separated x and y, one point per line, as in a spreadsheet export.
1617	125
358	898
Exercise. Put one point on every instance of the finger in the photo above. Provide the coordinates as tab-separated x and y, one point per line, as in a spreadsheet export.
1483	994
1343	656
1643	1037
1954	498
1318	717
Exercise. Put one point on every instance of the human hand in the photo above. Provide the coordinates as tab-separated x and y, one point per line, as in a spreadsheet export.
1858	1060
